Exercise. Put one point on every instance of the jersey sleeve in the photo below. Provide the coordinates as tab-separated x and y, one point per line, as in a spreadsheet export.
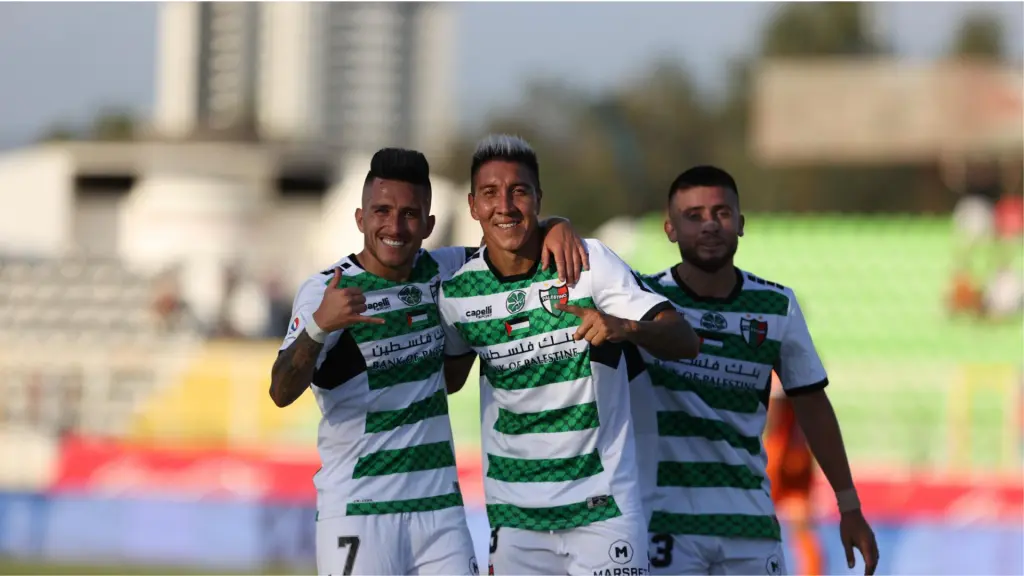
618	290
307	300
450	258
454	345
800	369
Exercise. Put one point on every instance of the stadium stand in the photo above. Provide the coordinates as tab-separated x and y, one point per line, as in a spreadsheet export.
83	330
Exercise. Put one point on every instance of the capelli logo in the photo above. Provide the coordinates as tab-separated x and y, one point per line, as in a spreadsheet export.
379	305
482	313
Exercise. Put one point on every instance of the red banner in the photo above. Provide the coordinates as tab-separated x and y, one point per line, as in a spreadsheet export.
116	469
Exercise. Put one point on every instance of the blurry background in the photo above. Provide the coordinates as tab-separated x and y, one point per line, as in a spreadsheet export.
170	172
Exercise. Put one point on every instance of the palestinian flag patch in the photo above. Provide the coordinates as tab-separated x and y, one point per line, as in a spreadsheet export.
517	326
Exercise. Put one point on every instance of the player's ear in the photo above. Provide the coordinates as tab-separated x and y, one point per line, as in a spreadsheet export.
359	220
471	198
670	230
430	226
742	222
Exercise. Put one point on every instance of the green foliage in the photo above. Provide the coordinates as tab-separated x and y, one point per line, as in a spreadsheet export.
615	153
980	37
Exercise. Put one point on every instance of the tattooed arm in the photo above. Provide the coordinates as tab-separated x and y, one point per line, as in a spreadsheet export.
293	370
336	309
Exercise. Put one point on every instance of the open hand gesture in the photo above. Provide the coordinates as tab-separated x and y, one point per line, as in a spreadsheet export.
597	327
342	307
856	533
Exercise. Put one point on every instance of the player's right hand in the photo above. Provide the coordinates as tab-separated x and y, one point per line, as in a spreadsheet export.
342	307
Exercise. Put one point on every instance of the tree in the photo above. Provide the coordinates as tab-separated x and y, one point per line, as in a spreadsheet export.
980	36
113	124
59	132
820	29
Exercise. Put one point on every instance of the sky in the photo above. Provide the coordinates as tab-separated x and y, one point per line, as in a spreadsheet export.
66	61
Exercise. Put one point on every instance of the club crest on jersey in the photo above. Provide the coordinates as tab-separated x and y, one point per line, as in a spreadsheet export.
410	295
754	331
713	321
516	301
551	297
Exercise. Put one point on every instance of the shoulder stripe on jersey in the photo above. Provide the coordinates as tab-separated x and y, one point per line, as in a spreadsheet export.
344	361
763	282
640	281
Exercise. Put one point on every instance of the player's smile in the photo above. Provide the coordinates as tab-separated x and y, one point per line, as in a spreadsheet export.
393	242
507	225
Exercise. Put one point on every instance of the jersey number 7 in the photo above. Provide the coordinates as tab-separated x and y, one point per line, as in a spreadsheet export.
352	543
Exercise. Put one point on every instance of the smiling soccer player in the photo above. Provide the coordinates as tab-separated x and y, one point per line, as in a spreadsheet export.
561	481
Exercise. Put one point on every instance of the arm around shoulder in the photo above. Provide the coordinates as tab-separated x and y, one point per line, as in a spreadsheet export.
458	355
667	336
651	320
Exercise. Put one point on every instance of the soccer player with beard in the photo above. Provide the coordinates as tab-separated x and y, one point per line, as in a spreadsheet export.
713	511
365	337
560	470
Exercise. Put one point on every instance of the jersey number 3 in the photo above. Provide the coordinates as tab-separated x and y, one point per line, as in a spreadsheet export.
352	544
662	557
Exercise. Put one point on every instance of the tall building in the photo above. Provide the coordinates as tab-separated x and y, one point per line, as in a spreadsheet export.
351	75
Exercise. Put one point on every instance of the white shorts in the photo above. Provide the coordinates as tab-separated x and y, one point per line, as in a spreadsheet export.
416	543
612	547
676	554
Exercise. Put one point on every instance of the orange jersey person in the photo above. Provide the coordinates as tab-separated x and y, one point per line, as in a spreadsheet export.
791	472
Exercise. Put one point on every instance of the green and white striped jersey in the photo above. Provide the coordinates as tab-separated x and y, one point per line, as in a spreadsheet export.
558	442
385	440
710	411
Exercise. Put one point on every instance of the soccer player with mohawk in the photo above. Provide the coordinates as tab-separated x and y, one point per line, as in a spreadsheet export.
365	337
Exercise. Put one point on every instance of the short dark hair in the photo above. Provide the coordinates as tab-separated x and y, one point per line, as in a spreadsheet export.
401	165
504	147
707	176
